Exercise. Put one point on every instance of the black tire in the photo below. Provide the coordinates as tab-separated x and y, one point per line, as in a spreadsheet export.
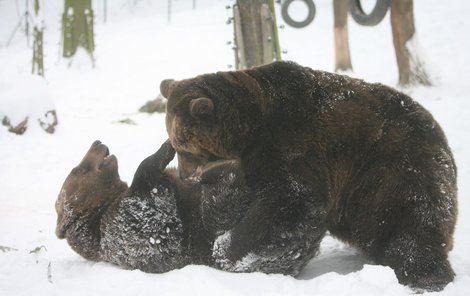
298	24
374	17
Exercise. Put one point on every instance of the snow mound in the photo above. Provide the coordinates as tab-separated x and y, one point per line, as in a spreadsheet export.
25	96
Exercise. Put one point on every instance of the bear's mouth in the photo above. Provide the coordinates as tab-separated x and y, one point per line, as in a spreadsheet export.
105	159
108	160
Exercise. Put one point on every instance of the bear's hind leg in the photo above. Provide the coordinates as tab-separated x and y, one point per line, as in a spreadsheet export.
416	263
279	233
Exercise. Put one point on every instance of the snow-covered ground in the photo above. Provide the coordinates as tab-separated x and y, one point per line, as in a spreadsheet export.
135	49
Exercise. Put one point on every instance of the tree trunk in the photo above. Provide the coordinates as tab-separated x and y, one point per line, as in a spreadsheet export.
256	37
411	68
276	42
38	56
250	20
342	54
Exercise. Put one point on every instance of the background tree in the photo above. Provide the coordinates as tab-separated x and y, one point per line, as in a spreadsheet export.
342	54
38	57
256	36
77	27
411	67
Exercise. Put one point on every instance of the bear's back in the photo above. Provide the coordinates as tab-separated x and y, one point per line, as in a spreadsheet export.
315	107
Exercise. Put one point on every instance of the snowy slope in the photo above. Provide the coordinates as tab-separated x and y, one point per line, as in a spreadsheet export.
136	49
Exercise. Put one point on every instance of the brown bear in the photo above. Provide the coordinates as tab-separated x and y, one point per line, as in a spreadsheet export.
104	219
321	151
159	223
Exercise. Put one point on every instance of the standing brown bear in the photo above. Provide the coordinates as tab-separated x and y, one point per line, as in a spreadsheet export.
321	152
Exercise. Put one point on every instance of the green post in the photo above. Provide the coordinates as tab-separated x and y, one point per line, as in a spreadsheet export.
77	27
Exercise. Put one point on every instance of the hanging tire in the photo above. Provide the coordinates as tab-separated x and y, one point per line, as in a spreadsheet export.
298	24
368	19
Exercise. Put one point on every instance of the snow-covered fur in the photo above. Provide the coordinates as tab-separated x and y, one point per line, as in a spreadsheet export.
225	200
162	223
322	151
144	232
135	227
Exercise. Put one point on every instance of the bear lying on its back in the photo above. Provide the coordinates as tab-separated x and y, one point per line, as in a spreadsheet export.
135	227
160	222
323	151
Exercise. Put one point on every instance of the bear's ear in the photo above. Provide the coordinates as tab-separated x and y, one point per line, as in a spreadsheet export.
166	87
200	107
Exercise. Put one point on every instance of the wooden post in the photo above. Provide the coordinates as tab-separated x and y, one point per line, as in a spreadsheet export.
26	21
342	53
411	68
38	56
250	22
266	34
275	35
256	38
240	60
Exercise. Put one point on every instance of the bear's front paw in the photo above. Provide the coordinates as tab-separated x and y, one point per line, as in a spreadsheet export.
431	276
220	252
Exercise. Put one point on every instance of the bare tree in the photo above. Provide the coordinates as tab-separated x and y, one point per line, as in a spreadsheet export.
411	67
342	54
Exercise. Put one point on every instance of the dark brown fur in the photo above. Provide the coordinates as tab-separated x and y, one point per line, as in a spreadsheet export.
87	192
135	227
324	151
160	222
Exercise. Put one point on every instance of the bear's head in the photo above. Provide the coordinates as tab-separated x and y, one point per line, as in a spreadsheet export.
212	117
89	188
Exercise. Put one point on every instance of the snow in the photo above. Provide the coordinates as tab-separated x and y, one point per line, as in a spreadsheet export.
135	49
24	96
